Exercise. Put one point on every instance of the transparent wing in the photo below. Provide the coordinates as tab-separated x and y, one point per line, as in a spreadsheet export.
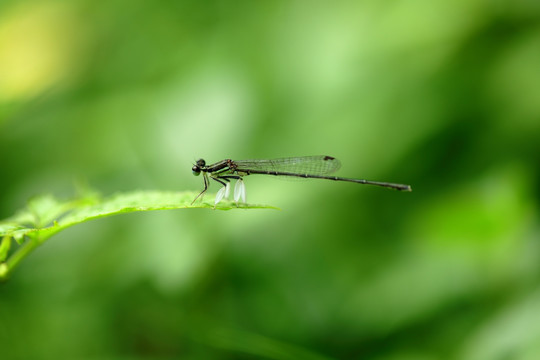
314	165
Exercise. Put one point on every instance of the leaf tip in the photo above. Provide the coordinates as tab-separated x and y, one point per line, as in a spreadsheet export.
4	270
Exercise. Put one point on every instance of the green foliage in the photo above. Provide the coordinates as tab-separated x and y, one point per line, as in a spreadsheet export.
442	95
45	216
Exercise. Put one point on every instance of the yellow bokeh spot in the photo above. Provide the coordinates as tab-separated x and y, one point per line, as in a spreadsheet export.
36	49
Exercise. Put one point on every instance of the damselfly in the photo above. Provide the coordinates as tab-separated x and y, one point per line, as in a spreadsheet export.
311	167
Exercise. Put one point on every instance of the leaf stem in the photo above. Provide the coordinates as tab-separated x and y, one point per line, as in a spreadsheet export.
7	267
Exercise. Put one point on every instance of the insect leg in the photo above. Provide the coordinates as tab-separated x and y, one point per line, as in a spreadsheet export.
204	190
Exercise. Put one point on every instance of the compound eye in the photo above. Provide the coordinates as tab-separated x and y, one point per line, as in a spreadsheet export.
196	170
201	163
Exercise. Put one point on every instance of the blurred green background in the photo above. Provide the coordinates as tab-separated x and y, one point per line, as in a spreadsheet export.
126	95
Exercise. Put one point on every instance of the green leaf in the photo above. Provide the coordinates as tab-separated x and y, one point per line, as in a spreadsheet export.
46	215
5	245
